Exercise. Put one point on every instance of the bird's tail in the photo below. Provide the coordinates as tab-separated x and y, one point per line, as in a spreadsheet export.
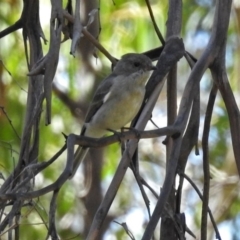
78	158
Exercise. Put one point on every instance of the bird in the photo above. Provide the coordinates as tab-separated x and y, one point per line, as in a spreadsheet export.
116	101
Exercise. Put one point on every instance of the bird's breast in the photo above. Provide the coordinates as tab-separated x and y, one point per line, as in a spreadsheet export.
118	109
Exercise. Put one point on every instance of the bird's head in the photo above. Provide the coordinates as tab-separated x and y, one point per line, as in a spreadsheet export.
132	63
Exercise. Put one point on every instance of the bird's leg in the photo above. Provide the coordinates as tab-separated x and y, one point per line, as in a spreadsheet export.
116	133
122	142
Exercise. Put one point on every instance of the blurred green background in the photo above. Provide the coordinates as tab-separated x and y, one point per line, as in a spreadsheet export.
125	27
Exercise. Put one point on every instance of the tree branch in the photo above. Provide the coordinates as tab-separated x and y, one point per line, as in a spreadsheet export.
17	25
219	29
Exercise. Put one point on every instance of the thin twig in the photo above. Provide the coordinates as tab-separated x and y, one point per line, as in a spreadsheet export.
140	185
190	139
154	23
206	171
17	25
52	231
70	18
10	122
201	197
77	28
125	227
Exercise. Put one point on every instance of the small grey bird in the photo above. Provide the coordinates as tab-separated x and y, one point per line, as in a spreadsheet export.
116	101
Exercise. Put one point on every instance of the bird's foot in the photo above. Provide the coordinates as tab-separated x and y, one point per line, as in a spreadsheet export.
118	134
134	130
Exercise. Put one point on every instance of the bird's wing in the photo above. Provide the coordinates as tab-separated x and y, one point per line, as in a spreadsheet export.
98	98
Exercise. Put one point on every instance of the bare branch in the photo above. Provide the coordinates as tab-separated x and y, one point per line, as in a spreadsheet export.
206	171
220	27
209	210
190	139
91	38
173	29
125	227
77	28
17	25
48	64
154	22
52	231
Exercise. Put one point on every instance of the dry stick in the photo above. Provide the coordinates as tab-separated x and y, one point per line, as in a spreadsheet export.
17	228
149	188
171	104
33	169
123	136
52	187
52	232
140	185
77	28
126	229
48	64
70	18
10	232
206	170
34	101
167	229
176	225
220	78
36	208
173	29
190	138
220	27
17	25
218	70
29	149
159	34
51	59
11	214
201	197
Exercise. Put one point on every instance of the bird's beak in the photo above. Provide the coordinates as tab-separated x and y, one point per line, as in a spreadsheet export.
152	68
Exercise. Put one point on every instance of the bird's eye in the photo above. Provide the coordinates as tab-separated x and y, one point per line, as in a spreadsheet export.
136	64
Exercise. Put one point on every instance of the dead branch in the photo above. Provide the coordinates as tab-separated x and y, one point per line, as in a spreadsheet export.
77	28
220	27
